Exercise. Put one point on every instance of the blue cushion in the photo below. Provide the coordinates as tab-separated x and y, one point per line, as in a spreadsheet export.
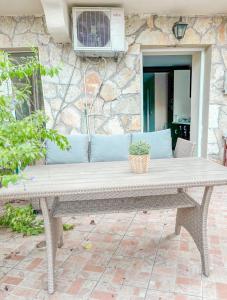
160	142
78	152
109	147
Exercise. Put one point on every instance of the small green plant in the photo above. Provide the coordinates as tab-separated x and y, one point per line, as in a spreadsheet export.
67	227
21	219
139	148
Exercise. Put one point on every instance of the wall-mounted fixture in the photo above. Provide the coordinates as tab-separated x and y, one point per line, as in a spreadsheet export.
179	29
225	83
99	31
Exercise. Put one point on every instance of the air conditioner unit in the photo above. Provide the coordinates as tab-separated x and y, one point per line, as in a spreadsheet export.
98	31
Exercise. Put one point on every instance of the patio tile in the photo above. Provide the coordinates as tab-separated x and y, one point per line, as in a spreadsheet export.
215	286
145	229
102	295
137	247
132	293
36	261
120	293
163	281
10	262
72	239
154	216
129	253
120	216
191	286
25	293
84	264
85	223
43	295
25	279
6	234
113	226
128	271
103	242
209	290
81	287
156	295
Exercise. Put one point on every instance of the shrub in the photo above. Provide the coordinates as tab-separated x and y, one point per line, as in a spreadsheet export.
139	148
21	219
22	140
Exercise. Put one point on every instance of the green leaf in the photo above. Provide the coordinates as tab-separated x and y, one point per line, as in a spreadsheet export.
21	219
67	227
139	148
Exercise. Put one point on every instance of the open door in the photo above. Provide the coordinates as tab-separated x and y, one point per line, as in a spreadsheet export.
149	101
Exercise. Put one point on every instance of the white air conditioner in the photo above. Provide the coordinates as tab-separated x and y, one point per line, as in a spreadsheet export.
98	31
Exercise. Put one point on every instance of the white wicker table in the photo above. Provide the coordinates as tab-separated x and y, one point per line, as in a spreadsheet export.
111	187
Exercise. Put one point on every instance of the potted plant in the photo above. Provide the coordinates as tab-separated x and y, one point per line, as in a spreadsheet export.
22	138
139	157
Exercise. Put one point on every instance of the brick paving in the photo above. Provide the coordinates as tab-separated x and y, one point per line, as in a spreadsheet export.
132	256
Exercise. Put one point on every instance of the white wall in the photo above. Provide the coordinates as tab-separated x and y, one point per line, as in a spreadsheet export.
195	129
161	100
182	101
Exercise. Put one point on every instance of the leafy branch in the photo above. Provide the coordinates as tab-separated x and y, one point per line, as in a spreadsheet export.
22	139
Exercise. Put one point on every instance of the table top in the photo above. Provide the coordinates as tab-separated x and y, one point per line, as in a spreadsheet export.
110	177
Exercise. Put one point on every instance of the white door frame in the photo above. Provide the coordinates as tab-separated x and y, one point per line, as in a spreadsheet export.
199	116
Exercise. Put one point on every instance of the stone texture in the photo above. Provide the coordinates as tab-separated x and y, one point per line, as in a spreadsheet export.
209	37
203	24
113	126
211	137
7	26
49	90
133	87
128	105
149	37
191	37
109	91
114	86
70	117
135	123
216	55
133	24
165	24
55	104
222	33
73	92
92	82
134	49
213	116
150	22
123	77
223	119
224	56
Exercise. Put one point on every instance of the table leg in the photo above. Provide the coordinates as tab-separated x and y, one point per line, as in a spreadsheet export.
194	220
60	232
52	238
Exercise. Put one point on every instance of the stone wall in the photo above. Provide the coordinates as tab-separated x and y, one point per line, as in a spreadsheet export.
109	91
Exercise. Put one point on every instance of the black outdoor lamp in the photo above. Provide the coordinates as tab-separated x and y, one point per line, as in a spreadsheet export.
179	29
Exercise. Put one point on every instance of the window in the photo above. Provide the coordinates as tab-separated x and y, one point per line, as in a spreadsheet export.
35	101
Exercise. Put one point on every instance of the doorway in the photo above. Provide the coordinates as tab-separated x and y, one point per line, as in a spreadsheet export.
167	95
178	91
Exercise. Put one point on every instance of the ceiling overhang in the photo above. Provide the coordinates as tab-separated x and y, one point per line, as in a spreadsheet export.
57	11
57	20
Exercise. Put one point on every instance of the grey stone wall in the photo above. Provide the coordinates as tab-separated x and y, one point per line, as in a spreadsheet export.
109	91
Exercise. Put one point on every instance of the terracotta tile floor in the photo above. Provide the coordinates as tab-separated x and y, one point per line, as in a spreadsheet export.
133	256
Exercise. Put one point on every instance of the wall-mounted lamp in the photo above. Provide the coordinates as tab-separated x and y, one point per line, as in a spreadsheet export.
179	29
